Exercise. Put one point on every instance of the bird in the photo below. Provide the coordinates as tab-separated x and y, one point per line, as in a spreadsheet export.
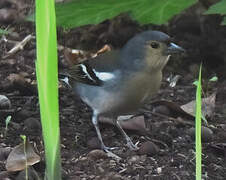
119	82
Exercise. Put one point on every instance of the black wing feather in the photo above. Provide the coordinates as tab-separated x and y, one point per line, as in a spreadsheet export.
106	62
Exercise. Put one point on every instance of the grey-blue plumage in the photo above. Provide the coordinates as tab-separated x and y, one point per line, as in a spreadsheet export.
119	82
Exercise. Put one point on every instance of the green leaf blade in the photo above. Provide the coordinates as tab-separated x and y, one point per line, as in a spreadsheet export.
218	8
83	12
198	124
159	12
47	79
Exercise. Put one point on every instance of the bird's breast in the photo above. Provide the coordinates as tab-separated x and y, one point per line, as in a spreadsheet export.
139	89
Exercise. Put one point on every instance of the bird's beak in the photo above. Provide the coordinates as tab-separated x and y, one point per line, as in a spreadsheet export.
174	49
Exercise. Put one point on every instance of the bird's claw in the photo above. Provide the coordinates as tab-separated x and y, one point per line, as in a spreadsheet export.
107	149
132	146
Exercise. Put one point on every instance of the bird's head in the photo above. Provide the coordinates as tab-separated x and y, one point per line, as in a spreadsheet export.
150	50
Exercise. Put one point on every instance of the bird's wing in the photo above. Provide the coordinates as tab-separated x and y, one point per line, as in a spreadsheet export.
96	70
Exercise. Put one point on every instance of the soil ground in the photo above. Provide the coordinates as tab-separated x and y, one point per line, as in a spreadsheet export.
173	156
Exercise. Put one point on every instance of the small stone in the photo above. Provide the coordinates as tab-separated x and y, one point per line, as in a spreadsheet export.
24	114
206	133
148	148
32	124
4	102
97	154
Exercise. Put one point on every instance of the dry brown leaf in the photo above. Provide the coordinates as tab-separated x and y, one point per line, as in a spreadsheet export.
17	160
76	56
135	123
208	105
104	49
174	109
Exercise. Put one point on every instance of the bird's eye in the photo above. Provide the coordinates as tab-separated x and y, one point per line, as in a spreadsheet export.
154	45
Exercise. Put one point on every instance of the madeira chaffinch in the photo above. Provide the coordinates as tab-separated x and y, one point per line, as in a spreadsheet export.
119	82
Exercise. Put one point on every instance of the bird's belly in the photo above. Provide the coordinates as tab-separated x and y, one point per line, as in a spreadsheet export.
119	101
146	86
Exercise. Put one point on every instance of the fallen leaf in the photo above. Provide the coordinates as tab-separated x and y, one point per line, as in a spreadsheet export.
174	109
135	123
76	56
208	105
17	160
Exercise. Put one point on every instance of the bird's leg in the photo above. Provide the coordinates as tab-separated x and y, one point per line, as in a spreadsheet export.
95	123
129	142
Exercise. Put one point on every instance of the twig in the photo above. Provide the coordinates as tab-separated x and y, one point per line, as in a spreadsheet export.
19	46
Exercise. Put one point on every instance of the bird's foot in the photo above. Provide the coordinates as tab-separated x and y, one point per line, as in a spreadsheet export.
107	149
131	146
110	154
